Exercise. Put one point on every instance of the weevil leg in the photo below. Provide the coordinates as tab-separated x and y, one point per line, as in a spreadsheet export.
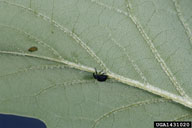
101	72
95	71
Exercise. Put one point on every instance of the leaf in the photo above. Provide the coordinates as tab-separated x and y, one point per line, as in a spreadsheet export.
143	46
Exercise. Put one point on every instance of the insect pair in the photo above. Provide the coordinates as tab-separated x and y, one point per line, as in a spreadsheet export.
100	76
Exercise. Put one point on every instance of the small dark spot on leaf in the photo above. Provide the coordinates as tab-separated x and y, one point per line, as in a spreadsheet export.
32	49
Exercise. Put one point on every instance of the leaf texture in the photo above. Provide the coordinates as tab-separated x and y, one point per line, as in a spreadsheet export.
145	44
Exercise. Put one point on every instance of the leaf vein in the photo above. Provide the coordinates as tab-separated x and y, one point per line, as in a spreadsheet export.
149	43
65	30
147	87
38	41
183	22
122	108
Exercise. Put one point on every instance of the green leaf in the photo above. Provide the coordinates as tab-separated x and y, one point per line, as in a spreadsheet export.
145	47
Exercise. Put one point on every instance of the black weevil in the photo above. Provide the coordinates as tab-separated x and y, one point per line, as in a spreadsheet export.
100	76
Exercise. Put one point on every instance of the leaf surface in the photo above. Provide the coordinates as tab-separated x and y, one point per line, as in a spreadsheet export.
145	44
